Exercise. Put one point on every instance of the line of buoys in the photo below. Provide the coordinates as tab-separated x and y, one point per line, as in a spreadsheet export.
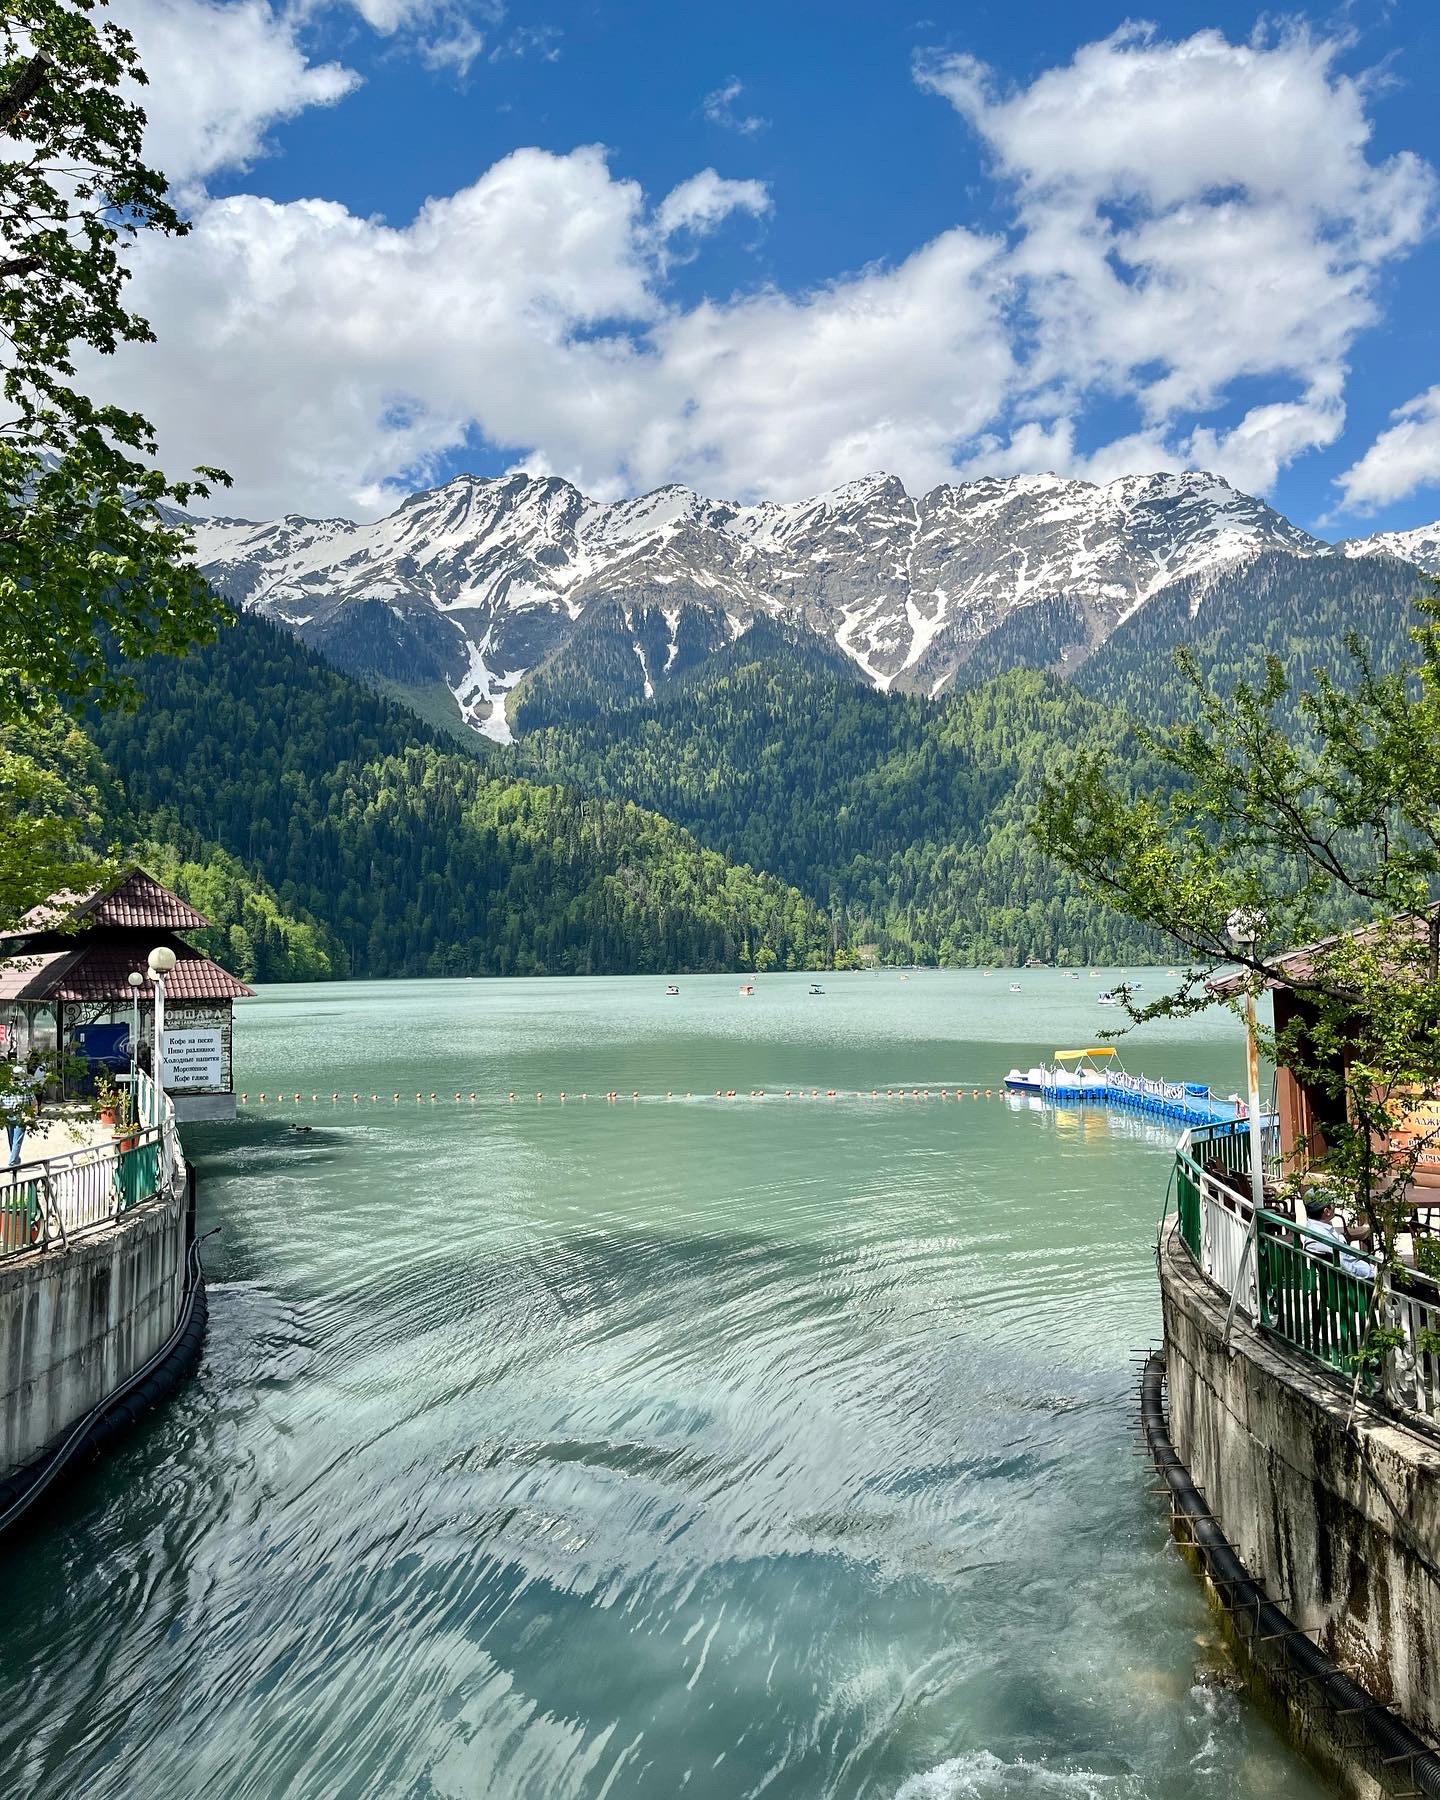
614	1095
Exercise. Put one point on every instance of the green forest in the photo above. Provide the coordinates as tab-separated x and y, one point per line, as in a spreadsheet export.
904	819
371	842
768	810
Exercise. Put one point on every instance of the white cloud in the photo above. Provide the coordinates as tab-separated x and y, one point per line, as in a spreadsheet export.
705	200
1192	215
455	47
720	109
782	396
220	77
1401	460
437	25
1193	223
317	355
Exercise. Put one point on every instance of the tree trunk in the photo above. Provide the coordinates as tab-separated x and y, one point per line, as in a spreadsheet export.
26	85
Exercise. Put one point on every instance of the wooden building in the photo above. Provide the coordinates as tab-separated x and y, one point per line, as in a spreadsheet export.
1305	1108
68	967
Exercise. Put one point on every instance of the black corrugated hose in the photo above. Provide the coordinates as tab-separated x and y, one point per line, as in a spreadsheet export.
1396	1748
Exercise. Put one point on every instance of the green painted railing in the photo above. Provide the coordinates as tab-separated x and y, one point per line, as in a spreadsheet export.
1296	1283
1306	1298
137	1174
1187	1203
49	1202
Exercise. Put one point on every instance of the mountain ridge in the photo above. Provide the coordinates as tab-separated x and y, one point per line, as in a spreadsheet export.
493	584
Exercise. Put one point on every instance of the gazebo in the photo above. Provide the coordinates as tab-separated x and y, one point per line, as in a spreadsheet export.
67	968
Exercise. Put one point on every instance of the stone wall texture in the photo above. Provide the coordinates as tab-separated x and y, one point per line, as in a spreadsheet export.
75	1323
1338	1515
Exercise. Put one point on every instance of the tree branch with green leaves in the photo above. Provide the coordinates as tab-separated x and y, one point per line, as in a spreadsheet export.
1312	808
93	558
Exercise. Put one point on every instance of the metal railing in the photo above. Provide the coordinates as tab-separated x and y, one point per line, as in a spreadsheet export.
48	1202
1322	1298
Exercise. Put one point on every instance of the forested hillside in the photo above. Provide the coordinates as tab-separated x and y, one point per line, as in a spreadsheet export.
1300	611
765	809
414	858
904	818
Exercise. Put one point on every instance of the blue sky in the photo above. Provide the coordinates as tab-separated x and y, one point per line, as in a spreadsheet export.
891	262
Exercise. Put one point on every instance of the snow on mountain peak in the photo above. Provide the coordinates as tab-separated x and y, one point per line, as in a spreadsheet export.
1420	545
477	581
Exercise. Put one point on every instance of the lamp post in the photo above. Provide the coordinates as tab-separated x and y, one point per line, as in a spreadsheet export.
1243	927
160	962
136	981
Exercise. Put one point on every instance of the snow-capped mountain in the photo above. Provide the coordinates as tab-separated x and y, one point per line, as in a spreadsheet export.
483	580
1420	546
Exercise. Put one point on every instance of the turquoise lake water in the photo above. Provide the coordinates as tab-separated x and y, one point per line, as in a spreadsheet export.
711	1448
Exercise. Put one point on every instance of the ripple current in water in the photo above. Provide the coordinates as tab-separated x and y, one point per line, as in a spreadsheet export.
718	1449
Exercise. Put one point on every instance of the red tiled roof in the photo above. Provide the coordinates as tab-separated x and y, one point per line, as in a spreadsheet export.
1298	966
28	977
134	901
138	901
100	972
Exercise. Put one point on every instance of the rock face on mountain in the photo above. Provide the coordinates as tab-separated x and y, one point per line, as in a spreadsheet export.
483	582
1420	546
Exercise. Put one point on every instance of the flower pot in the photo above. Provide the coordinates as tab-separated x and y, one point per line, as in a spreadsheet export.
107	1115
128	1140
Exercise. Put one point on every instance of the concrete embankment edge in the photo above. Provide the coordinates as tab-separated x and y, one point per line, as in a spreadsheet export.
91	1337
1330	1513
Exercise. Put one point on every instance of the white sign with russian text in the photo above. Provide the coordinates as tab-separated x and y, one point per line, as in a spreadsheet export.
193	1059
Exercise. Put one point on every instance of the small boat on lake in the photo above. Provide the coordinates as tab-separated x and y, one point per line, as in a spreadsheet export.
746	989
672	989
815	988
1078	1073
1014	987
1106	999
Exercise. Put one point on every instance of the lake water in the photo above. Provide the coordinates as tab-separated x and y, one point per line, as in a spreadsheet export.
579	1451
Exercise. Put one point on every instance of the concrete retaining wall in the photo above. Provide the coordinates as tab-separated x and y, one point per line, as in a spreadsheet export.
75	1323
1339	1523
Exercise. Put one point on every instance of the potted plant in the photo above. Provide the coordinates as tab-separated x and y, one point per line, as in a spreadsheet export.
107	1099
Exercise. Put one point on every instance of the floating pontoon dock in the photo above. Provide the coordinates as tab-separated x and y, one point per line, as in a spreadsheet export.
1095	1075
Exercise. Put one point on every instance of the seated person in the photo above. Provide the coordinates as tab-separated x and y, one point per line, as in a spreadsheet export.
1320	1212
1232	1179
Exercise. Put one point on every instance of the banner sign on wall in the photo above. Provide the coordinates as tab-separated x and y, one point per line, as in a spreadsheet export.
193	1058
